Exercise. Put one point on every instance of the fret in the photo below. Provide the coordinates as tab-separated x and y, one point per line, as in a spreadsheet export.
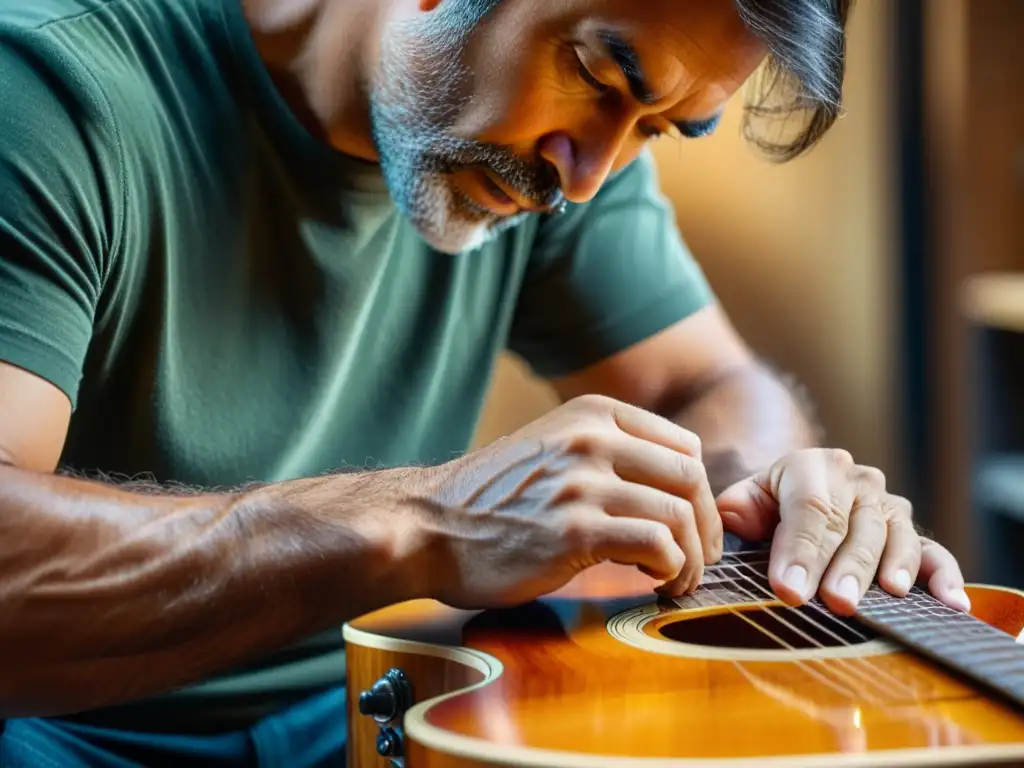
954	639
1001	656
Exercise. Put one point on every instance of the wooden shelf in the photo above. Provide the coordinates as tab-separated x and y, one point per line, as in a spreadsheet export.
995	300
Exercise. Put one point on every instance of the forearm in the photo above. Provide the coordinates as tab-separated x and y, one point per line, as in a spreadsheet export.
746	421
109	595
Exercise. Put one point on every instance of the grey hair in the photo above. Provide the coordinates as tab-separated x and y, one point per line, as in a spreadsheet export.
805	70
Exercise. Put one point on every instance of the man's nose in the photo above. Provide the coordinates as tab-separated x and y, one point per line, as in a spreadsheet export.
582	164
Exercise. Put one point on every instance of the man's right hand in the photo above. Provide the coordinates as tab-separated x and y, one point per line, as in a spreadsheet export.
593	480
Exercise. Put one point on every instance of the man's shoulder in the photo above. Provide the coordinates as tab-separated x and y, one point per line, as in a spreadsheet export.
108	44
52	47
36	15
123	76
47	80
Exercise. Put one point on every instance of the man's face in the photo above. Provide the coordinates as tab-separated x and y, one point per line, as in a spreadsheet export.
483	110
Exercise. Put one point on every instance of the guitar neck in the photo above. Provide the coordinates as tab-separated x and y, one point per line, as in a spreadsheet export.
955	640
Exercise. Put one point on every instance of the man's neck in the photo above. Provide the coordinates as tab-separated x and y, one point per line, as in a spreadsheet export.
320	54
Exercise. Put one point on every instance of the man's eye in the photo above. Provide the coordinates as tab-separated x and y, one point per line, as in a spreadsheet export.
592	81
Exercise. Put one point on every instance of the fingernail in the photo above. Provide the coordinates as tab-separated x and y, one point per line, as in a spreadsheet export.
902	579
849	589
796	578
960	599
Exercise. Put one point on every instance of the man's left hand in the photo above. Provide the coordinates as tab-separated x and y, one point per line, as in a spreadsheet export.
836	529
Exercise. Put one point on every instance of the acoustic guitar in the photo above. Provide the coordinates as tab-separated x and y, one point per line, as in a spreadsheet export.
604	673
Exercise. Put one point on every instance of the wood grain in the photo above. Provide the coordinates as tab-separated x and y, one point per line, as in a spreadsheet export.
569	693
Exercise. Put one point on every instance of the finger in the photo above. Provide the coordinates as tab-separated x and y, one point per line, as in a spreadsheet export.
624	499
632	541
852	569
655	429
814	509
901	558
748	509
942	572
644	463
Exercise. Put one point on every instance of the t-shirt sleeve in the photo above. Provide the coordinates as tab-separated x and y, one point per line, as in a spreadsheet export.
56	213
605	275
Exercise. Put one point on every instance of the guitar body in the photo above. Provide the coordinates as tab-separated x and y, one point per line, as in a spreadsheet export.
602	673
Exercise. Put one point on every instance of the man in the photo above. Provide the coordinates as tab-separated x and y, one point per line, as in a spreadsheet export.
244	246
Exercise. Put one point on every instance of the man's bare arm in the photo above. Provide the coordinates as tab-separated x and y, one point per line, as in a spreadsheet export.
109	596
110	593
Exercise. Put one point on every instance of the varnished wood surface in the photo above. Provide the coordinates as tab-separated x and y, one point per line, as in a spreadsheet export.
569	693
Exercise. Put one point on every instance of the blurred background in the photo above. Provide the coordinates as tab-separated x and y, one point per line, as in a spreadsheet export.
880	269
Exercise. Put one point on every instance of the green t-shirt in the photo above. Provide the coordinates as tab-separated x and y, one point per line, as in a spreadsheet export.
225	299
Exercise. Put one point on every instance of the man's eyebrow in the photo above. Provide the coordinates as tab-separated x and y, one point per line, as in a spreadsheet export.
625	56
627	59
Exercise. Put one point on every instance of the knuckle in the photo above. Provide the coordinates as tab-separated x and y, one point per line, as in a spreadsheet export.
873	522
691	442
840	457
692	472
576	535
592	403
869	513
836	520
661	538
935	550
574	486
805	545
898	508
587	443
679	513
862	557
915	546
871	477
581	483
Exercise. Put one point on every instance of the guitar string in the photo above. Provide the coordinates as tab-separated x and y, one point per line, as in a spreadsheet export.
935	608
828	682
957	632
792	697
863	668
855	663
837	668
814	605
871	666
811	605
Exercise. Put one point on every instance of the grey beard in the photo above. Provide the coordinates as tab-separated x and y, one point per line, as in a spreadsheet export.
422	87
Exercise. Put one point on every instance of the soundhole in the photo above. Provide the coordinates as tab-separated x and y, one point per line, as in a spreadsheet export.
806	627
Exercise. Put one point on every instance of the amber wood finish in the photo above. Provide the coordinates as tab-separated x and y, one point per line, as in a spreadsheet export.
431	675
1001	608
567	692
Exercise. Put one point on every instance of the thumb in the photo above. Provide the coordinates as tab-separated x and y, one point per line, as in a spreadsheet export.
748	508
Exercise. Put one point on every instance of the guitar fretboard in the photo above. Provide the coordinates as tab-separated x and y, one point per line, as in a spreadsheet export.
956	640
